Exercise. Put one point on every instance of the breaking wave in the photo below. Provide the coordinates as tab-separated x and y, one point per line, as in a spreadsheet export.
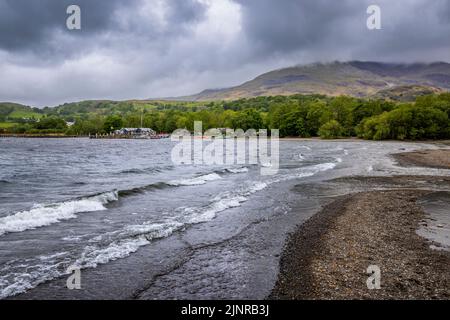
44	215
231	200
20	276
196	181
137	190
237	170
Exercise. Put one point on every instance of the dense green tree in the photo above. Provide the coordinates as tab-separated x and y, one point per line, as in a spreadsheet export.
92	126
331	130
112	123
408	121
318	114
247	119
51	122
342	111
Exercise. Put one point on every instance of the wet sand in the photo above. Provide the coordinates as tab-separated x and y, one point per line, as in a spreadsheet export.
327	257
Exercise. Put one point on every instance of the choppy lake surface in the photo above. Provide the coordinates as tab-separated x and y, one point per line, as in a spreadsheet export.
139	226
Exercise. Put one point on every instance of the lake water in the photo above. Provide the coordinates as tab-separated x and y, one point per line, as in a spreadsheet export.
139	226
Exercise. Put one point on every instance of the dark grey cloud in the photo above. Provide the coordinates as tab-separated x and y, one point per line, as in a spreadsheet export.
30	25
329	29
153	48
292	25
444	12
40	26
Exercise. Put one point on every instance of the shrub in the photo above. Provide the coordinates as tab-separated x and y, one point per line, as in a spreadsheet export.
331	130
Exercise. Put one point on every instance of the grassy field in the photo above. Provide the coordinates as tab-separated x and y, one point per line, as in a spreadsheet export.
6	125
19	114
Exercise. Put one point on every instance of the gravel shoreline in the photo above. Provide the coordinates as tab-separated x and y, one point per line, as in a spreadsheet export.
439	159
327	257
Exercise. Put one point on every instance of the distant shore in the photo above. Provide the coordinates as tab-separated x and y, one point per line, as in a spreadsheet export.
443	142
327	257
52	136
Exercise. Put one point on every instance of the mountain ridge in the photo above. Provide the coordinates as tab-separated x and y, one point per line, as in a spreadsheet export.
353	78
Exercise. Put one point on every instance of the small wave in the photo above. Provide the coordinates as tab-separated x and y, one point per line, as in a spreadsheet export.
198	215
93	256
79	183
312	169
306	147
146	170
196	181
44	215
257	187
221	203
136	171
128	240
182	182
138	190
53	256
72	238
237	170
226	201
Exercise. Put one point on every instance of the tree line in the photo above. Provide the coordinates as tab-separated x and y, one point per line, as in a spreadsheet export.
297	115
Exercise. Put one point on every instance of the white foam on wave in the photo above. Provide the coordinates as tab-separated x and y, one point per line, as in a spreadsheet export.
44	215
72	238
92	256
237	170
128	240
314	169
257	187
53	256
227	200
32	272
29	273
266	164
196	181
198	215
222	203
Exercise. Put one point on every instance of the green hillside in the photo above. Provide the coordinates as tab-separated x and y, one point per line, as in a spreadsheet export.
14	112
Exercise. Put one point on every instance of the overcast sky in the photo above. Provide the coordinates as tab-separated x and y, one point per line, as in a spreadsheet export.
156	48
